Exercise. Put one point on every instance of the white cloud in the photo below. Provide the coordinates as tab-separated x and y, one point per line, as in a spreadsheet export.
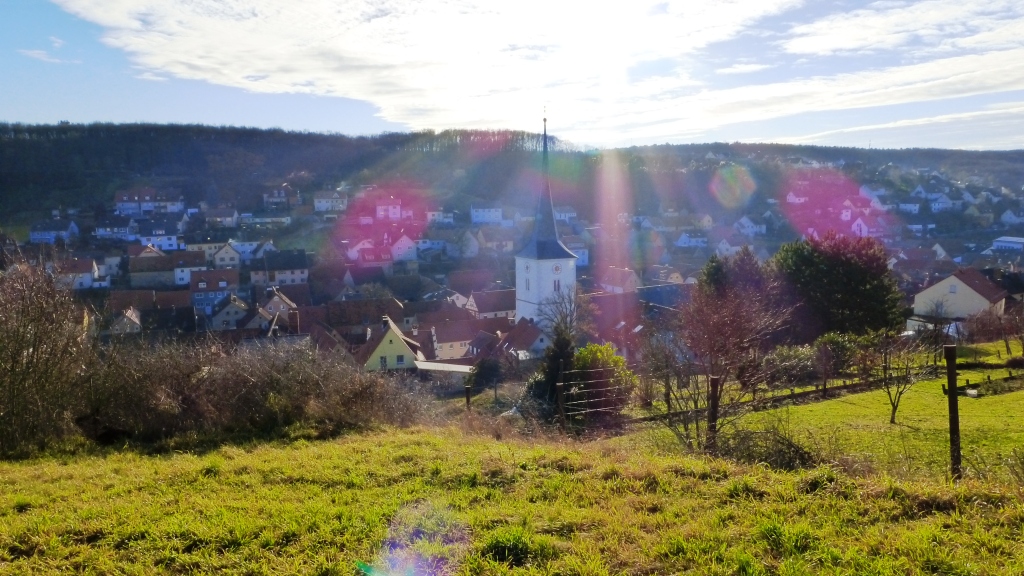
56	42
151	76
45	56
1002	126
743	68
925	27
477	64
463	63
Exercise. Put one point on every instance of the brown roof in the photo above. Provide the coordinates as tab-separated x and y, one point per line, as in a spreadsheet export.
189	259
617	276
520	337
495	300
173	299
362	312
466	281
977	281
213	278
77	266
298	293
121	300
140	264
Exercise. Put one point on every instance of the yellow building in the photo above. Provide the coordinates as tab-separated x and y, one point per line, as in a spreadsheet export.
387	349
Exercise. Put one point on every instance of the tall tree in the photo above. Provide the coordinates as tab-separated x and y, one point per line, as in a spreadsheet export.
843	283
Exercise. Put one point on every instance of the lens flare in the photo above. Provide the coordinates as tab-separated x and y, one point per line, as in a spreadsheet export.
732	186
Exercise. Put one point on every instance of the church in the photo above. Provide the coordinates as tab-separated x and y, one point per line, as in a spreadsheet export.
544	267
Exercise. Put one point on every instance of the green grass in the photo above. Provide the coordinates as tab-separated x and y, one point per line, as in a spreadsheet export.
856	427
442	501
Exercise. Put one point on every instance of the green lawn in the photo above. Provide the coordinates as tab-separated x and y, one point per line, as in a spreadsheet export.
446	502
856	427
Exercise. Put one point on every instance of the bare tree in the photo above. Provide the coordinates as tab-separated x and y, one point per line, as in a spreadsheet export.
44	343
568	311
898	359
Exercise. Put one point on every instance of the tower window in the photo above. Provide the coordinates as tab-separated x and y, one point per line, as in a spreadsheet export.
527	283
558	285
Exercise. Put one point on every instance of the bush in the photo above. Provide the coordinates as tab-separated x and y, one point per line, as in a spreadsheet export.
787	366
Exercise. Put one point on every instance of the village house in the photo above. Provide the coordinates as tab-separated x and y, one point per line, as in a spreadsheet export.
386	348
485	214
156	271
282	198
48	231
564	213
618	280
116	228
162	234
440	217
250	250
80	274
658	274
493	304
964	293
208	287
403	249
222	217
330	201
281	267
227	313
500	240
579	247
227	257
145	201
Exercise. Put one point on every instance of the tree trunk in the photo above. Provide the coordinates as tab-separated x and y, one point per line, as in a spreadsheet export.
892	415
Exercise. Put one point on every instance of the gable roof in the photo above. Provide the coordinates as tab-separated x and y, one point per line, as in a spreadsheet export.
213	278
494	300
380	331
283	260
140	264
977	281
361	312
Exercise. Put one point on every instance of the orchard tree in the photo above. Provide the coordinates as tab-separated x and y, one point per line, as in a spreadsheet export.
843	282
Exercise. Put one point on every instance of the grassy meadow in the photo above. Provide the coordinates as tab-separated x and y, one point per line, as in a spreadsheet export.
445	501
856	428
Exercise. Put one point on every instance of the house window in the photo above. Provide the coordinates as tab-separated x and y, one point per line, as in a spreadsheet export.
223	284
383	362
952	288
202	284
200	295
558	285
400	360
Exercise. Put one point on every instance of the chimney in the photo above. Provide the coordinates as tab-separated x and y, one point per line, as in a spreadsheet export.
384	322
415	331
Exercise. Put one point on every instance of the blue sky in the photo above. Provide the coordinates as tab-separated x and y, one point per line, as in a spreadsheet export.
935	73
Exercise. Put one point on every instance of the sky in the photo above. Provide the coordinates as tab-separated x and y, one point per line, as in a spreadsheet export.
887	74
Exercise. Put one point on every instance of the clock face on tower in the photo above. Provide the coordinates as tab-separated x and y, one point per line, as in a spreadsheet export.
557	268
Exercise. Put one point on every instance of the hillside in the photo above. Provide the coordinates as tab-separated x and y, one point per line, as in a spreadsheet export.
45	167
442	502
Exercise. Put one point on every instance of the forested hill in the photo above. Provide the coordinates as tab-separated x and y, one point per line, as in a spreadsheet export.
43	167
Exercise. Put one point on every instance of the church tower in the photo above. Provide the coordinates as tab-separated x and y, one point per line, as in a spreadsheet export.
544	267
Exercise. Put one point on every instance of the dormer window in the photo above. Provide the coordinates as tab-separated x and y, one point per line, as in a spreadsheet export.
202	284
223	284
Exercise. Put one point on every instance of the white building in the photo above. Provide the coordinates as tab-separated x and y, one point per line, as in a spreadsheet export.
544	267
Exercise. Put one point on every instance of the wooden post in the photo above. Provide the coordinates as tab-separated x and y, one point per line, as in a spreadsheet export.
952	399
713	393
469	393
560	392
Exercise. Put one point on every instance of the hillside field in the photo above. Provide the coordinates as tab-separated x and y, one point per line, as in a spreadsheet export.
444	501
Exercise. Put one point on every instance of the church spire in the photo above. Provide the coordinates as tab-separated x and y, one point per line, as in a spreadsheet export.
544	243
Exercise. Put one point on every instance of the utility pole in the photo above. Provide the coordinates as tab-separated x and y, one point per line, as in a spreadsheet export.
952	399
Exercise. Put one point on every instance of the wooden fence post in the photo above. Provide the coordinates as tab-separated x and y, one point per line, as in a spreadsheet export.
714	390
952	399
469	393
560	393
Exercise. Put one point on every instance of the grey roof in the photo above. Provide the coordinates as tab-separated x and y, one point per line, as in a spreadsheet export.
544	243
283	260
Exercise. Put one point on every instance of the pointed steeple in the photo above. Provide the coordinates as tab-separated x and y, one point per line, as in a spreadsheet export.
544	243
